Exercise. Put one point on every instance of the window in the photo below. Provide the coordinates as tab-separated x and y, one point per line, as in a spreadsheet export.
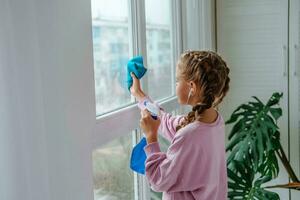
111	52
117	35
112	178
159	48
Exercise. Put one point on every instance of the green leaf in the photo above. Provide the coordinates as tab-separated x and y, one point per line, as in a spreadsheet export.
243	185
234	117
275	139
260	146
253	140
274	99
255	104
270	166
276	112
236	128
259	101
235	140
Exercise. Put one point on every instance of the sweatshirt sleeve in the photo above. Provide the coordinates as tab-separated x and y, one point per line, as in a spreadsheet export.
169	171
168	123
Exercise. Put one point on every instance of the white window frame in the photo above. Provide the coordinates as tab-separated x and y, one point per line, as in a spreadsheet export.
137	41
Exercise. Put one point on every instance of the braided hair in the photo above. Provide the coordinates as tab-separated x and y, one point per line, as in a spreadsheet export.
210	73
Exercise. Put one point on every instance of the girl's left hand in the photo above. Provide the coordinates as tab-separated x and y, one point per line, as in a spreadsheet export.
149	125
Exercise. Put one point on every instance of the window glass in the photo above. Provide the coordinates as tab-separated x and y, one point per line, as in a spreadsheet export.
159	53
111	52
113	178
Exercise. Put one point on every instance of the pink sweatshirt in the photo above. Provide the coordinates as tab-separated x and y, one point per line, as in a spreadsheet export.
194	166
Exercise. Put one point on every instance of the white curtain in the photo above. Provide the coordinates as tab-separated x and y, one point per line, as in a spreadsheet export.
47	109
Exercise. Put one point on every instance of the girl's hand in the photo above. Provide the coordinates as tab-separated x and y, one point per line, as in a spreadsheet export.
135	89
149	125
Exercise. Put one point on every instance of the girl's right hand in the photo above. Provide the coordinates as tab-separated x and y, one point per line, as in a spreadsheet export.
135	89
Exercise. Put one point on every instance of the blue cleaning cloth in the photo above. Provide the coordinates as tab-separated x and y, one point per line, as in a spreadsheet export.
138	157
136	66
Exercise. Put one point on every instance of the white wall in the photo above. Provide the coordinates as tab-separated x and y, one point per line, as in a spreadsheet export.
47	100
252	38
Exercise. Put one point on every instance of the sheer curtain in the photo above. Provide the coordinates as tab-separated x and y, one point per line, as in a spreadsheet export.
47	101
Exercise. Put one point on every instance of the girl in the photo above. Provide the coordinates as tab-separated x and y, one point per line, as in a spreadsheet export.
194	166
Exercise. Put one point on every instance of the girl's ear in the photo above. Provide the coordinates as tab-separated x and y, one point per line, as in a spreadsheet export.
193	87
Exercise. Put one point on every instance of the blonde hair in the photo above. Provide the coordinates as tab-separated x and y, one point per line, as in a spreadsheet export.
210	73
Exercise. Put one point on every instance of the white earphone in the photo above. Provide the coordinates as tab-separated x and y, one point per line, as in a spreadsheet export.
189	95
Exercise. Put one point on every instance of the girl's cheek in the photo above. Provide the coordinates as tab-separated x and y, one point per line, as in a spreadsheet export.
179	92
177	89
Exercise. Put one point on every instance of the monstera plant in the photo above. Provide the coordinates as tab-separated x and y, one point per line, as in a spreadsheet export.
253	148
